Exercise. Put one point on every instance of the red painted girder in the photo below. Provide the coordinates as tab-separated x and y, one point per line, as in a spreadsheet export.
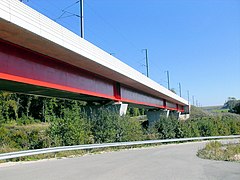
17	64
22	65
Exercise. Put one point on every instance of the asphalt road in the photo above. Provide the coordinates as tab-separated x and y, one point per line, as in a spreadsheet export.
175	161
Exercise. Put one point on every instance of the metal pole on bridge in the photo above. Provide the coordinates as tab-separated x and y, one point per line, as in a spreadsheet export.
168	80
147	65
81	19
180	89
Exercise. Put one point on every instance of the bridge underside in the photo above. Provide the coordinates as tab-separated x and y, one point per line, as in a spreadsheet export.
13	86
25	71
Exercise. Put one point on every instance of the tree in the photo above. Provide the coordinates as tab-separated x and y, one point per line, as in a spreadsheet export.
9	105
73	128
230	104
236	108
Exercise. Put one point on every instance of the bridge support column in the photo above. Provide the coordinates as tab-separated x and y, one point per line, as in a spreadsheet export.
184	117
167	113
155	115
121	108
117	107
175	114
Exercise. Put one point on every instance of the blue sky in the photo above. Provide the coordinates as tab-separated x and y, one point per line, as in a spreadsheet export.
197	41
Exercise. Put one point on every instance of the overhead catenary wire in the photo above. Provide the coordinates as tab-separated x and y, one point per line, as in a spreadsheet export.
47	12
111	26
66	13
66	16
98	16
71	5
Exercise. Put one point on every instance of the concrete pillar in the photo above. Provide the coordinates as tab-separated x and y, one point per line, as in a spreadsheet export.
178	115
184	117
121	108
175	114
167	115
154	115
117	107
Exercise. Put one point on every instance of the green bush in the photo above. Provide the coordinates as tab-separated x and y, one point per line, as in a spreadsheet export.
24	120
72	129
108	126
168	128
190	128
4	137
131	130
24	137
236	108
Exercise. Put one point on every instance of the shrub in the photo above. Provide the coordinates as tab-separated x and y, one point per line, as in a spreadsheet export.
24	137
203	126
108	126
131	130
190	128
72	129
168	128
236	108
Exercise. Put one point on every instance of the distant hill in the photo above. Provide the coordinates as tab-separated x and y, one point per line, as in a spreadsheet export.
210	108
196	112
215	109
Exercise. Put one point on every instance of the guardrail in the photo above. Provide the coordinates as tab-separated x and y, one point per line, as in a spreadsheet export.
95	146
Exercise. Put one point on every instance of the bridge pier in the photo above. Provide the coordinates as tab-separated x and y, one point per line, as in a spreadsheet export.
154	115
116	107
175	114
120	107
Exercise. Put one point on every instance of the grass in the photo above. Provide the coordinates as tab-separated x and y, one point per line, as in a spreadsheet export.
214	109
220	110
218	151
211	108
33	126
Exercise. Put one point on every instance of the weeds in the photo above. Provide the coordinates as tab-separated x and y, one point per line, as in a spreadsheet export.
218	151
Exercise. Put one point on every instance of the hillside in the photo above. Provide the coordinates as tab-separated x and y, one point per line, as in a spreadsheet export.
215	109
196	112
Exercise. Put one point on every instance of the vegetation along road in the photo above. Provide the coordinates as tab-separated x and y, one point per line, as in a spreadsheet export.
175	161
